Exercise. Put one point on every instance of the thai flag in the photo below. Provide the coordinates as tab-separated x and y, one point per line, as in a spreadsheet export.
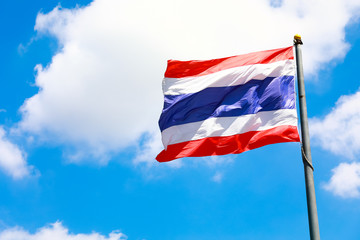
228	105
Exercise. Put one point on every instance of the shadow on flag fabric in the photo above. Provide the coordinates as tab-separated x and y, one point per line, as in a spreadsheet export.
228	105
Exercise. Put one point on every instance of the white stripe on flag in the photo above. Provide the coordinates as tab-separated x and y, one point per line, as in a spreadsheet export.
229	77
228	126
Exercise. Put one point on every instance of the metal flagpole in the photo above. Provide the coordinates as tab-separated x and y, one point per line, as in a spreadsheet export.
305	148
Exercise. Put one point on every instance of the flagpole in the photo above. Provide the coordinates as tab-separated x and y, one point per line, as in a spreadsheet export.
305	148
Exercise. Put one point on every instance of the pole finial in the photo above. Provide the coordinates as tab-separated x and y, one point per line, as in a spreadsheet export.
297	39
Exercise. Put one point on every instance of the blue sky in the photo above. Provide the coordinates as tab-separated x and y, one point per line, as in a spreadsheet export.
80	97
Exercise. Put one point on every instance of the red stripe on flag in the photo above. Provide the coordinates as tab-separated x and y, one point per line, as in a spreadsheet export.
230	144
179	69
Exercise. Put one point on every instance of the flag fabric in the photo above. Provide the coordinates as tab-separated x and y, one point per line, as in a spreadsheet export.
228	105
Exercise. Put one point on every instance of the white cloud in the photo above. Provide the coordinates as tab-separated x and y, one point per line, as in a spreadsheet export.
216	161
150	149
339	130
102	90
56	231
345	181
218	176
12	159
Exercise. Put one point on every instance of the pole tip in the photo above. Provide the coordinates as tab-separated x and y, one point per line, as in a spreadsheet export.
297	39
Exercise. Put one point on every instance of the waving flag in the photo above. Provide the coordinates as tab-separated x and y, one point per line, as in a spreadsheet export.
228	105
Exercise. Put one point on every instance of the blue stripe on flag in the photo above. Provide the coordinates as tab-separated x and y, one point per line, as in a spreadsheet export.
254	96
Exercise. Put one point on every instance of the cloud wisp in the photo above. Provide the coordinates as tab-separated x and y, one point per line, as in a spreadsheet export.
345	181
339	130
56	231
12	158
